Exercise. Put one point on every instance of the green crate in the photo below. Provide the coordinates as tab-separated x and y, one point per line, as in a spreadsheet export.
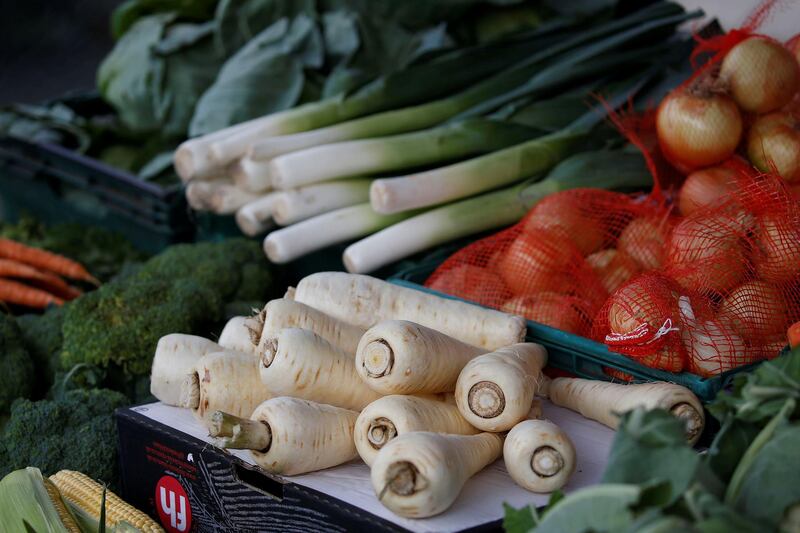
580	356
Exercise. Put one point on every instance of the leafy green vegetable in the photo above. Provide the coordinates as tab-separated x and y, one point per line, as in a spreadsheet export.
130	11
53	123
264	76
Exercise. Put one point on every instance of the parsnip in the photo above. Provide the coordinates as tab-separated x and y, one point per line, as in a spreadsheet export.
286	313
175	358
539	456
224	381
400	357
290	436
238	335
421	474
302	364
391	416
495	391
365	301
603	401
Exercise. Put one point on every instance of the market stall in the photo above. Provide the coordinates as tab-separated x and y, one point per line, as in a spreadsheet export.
337	266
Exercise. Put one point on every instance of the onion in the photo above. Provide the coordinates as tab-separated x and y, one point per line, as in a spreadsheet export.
643	241
706	187
539	262
697	128
549	308
562	211
706	255
777	253
761	74
712	347
755	310
612	267
472	283
774	139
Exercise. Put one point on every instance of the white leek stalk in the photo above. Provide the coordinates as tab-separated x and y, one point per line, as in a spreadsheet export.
199	192
251	175
324	230
295	205
256	217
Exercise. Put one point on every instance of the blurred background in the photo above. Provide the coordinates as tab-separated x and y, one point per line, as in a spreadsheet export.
49	47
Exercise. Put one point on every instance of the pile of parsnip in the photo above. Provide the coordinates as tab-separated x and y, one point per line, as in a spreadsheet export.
427	391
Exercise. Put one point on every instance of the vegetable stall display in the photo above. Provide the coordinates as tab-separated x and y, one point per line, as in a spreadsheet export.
300	403
409	166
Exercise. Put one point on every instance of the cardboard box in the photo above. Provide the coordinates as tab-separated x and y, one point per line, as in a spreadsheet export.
170	470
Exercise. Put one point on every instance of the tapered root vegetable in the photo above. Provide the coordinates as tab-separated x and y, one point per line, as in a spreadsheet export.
603	401
238	335
302	364
365	301
496	390
539	456
290	436
401	357
175	358
421	474
224	381
390	416
285	313
254	218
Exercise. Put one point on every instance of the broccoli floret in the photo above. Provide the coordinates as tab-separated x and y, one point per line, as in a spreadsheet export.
120	323
42	337
75	432
16	367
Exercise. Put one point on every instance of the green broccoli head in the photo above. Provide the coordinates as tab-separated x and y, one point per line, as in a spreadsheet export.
16	367
75	432
120	323
42	337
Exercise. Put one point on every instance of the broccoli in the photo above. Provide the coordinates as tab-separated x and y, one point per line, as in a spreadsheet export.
120	323
75	432
42	337
16	367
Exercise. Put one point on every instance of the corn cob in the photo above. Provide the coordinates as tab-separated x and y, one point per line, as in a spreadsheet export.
30	502
86	494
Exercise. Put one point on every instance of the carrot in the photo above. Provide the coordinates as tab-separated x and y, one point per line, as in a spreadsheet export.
794	335
45	260
13	292
47	281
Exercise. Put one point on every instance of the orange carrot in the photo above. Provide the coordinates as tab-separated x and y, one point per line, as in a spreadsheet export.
45	260
794	335
13	292
45	280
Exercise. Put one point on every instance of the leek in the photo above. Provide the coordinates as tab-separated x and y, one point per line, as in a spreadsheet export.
325	230
491	210
299	204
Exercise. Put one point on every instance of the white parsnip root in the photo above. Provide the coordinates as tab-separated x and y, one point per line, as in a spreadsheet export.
302	364
290	436
224	381
390	416
285	313
603	401
365	301
401	357
496	390
175	358
254	218
539	456
237	335
421	474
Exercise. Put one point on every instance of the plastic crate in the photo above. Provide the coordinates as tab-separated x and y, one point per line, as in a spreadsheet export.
56	184
580	356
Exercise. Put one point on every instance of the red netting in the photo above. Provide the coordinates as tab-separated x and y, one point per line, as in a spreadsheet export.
702	274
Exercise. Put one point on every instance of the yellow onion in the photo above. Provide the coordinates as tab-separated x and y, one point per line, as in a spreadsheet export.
705	187
549	308
761	75
612	267
643	240
755	310
774	140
